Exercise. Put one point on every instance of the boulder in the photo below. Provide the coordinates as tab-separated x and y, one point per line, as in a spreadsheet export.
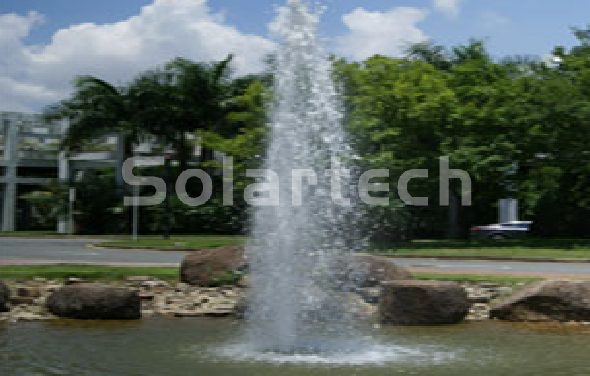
547	301
422	303
95	302
28	292
375	270
4	297
213	267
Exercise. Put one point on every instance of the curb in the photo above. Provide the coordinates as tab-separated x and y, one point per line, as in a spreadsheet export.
128	248
388	255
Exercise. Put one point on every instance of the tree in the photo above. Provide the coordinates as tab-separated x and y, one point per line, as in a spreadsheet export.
398	113
95	109
181	98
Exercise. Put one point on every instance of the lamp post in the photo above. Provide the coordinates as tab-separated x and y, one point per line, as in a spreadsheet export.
71	201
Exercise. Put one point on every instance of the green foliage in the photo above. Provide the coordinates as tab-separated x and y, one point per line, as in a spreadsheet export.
46	205
98	208
519	127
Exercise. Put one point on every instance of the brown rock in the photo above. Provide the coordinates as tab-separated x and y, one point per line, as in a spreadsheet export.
95	302
146	296
213	267
218	313
22	300
4	297
187	313
547	301
28	292
423	303
375	270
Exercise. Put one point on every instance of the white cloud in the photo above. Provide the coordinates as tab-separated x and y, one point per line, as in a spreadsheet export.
492	20
385	33
449	7
34	76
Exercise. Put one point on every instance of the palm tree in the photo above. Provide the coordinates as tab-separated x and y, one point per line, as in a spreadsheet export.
181	98
96	109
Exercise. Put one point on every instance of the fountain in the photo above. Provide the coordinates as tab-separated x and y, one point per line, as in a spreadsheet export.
299	250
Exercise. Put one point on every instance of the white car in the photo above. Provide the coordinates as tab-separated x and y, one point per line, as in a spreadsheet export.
508	230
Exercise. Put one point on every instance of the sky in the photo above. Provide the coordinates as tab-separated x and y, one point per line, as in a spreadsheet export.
44	44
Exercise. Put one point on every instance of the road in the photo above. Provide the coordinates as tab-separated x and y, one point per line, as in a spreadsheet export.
51	251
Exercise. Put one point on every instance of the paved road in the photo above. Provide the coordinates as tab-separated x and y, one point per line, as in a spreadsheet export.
42	251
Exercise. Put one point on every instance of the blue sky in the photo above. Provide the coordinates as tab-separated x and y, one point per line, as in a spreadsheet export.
509	26
43	44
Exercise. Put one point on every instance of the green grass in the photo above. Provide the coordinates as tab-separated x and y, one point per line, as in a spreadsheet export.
517	248
501	279
145	241
107	273
178	242
85	272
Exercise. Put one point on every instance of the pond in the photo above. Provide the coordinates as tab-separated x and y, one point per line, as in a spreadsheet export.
212	347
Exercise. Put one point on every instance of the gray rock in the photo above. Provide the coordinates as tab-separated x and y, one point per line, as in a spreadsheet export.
213	267
74	281
4	297
374	270
95	302
547	301
152	284
423	303
370	294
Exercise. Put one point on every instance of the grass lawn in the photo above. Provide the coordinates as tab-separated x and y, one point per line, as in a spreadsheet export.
519	248
145	241
105	273
108	273
178	242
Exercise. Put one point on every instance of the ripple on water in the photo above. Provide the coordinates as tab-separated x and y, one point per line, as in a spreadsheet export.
373	355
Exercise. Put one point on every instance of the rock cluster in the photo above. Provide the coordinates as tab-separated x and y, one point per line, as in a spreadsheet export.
95	302
374	270
561	301
385	295
184	300
423	303
4	297
480	295
42	299
213	267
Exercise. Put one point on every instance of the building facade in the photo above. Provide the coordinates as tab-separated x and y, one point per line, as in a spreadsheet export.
30	158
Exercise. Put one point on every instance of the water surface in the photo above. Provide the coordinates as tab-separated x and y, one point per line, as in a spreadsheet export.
213	347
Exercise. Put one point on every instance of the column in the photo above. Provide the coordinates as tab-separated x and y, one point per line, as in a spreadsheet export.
10	189
63	165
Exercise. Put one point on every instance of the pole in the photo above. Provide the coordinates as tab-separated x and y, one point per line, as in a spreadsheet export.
167	215
72	197
135	212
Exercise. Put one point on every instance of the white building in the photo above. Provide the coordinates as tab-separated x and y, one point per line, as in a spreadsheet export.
30	157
